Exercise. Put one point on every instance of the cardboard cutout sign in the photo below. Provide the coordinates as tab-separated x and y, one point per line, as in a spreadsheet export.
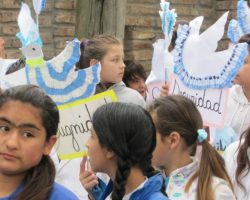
154	90
76	122
211	103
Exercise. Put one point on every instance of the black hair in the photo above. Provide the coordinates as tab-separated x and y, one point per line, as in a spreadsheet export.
128	131
132	71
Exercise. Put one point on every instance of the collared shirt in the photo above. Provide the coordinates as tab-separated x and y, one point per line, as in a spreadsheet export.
180	177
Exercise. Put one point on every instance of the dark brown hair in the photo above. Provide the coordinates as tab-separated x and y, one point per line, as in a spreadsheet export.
39	180
133	70
243	162
178	113
174	36
245	38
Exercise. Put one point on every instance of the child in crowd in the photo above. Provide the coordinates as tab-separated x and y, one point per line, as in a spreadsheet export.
237	160
179	129
237	117
135	77
121	144
238	106
108	50
28	125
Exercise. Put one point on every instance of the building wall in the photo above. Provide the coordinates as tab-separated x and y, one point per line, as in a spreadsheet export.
57	25
142	24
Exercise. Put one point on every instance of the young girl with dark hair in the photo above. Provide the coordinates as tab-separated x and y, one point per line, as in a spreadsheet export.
237	159
28	125
121	144
179	129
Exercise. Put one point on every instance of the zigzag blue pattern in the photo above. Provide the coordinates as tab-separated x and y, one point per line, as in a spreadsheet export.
75	85
67	65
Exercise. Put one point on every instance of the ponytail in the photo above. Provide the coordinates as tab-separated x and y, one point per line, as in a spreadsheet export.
243	162
211	164
39	181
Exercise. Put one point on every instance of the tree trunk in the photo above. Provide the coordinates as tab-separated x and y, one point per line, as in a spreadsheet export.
101	17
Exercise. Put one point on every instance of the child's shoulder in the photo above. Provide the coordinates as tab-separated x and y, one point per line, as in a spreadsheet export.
59	192
128	95
222	190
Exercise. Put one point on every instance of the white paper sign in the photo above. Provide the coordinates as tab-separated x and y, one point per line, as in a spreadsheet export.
211	103
75	124
154	90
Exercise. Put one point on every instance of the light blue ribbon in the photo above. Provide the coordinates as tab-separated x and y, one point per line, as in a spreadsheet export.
202	135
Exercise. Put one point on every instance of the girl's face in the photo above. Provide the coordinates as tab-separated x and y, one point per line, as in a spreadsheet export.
22	138
98	155
243	76
112	65
162	152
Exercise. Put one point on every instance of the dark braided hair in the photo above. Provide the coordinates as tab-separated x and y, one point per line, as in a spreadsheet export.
128	131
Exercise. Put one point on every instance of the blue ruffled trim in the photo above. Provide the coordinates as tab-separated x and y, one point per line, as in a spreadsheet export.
168	19
234	31
222	80
242	16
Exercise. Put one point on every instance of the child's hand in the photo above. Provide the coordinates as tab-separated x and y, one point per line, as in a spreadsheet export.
88	178
164	90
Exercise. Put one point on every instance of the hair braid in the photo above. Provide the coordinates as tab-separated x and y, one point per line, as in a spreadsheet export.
122	174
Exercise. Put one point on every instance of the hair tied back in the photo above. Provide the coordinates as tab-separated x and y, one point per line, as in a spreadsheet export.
202	135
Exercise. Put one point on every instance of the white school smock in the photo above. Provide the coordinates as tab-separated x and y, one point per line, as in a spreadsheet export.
180	177
230	157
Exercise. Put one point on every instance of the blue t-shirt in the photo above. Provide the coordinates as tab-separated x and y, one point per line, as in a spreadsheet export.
58	193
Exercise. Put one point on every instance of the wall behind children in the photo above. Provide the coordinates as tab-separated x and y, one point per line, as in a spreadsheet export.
137	22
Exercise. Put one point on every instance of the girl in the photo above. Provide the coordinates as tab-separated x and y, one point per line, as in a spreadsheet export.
179	129
108	50
121	145
28	125
237	159
238	106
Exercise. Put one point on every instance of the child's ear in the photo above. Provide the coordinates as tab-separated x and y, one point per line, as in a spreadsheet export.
174	139
93	62
49	144
109	154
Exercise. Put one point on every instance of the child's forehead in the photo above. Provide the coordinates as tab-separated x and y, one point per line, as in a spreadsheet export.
114	47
